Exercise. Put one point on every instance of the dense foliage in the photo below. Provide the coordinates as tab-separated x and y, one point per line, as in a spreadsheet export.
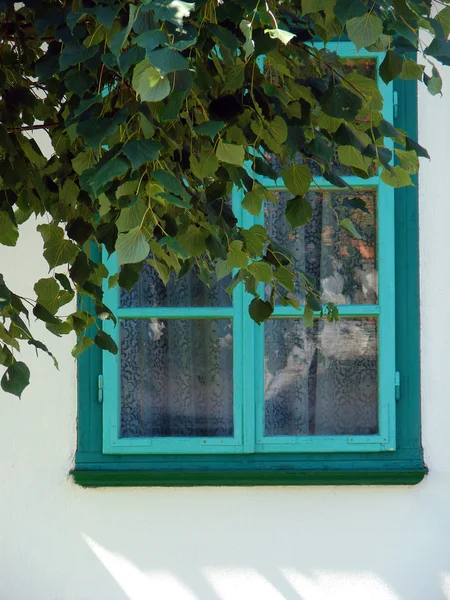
156	109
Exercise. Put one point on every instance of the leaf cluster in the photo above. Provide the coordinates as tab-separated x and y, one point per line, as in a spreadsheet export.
156	110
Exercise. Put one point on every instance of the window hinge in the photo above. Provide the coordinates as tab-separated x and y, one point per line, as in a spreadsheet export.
397	385
395	104
100	388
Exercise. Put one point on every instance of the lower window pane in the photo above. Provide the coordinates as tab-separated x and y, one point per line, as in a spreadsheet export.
176	378
321	380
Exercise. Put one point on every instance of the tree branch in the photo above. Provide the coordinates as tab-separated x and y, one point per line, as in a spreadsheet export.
33	127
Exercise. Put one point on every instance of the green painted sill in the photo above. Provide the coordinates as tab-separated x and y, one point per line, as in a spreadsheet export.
118	478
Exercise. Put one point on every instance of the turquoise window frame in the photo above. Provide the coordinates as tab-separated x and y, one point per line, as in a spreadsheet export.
357	462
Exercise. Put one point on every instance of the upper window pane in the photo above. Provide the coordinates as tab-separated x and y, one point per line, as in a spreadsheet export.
344	267
185	291
366	66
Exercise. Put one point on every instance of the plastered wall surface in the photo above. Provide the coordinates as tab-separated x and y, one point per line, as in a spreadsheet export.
62	542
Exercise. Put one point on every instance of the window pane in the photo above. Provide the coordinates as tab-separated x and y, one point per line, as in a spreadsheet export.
321	380
185	291
176	378
344	266
363	66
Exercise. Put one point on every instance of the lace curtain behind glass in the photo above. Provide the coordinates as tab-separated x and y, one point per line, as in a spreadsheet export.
176	374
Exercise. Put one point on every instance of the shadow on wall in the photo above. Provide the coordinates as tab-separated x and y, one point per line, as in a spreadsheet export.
237	544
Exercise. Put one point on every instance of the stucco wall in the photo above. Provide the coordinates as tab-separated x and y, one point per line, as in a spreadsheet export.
61	542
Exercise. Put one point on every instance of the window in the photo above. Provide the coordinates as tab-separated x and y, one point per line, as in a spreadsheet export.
200	395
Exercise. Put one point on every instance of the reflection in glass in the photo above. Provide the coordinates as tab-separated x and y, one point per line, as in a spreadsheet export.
185	291
321	380
176	378
366	66
344	266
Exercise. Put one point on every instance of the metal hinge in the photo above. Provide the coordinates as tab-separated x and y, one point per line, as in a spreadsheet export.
100	388
395	104
397	385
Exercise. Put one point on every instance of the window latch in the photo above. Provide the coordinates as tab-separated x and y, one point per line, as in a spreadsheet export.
395	104
397	385
100	388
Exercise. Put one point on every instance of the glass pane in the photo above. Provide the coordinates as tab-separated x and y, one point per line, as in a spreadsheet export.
366	66
176	378
185	291
344	266
321	380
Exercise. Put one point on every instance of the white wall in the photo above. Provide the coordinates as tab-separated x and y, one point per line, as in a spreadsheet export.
62	542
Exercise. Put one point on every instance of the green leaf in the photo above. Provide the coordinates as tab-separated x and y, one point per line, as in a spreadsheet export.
161	269
411	70
132	247
167	60
298	211
285	278
418	149
249	45
47	291
16	378
175	200
408	160
99	176
74	54
356	204
349	226
68	193
261	271
391	67
210	128
253	200
9	234
433	83
105	342
222	269
313	302
171	184
207	164
280	34
236	259
234	77
308	316
443	17
131	216
193	240
440	49
57	250
351	157
41	313
314	6
84	343
149	40
83	161
396	178
341	103
260	310
230	153
254	239
148	82
297	179
364	31
119	40
139	152
96	130
277	129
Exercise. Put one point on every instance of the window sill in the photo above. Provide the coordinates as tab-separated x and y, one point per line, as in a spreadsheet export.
402	475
